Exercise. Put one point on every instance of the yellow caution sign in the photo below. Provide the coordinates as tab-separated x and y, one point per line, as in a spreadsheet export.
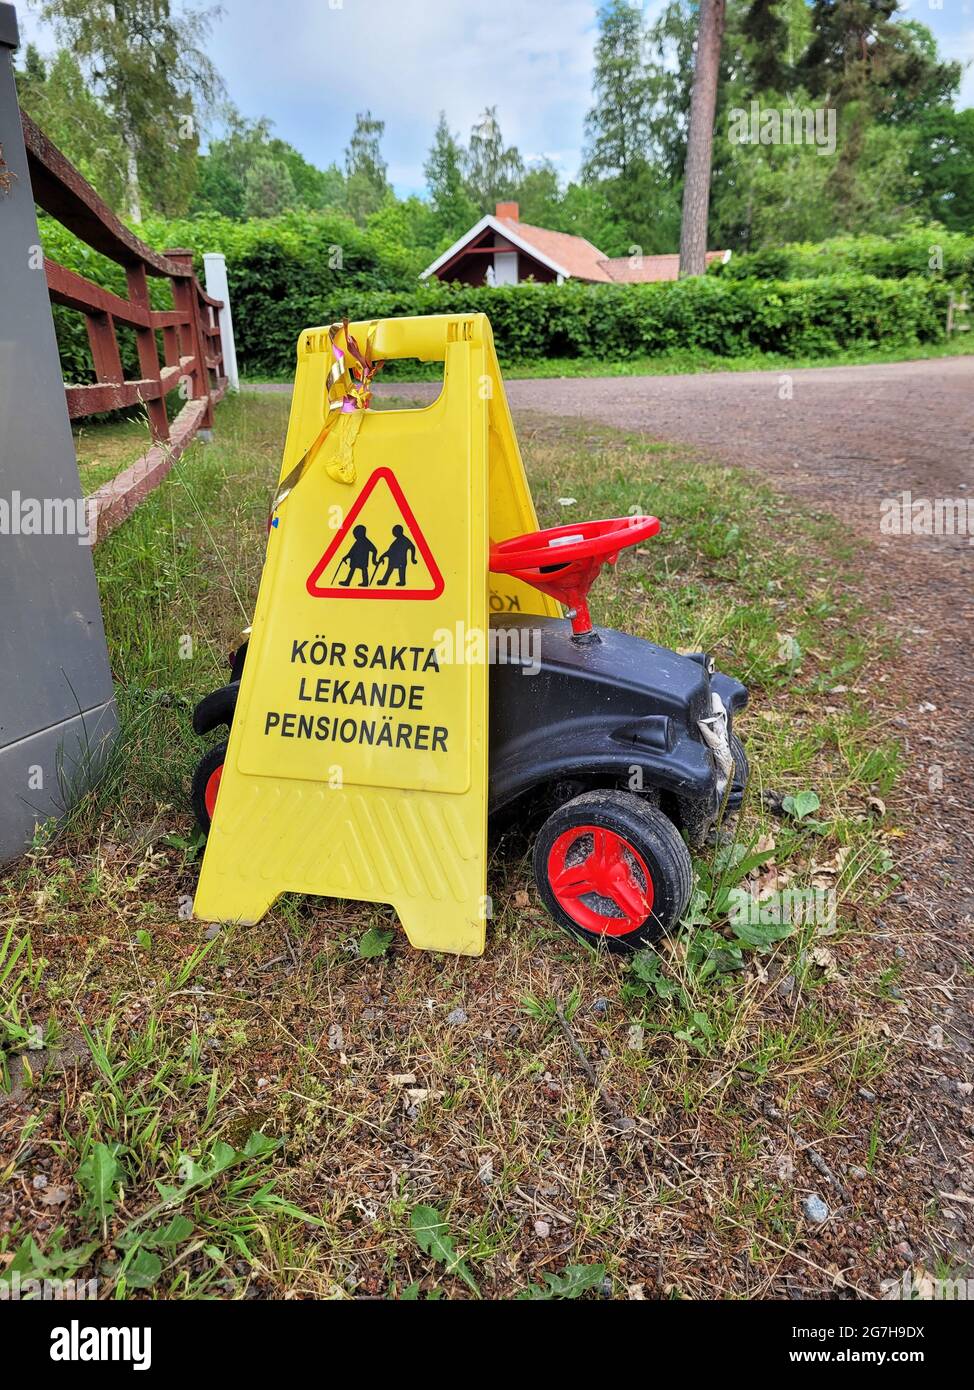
357	759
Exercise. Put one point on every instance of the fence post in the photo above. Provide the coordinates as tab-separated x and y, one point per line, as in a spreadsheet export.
215	273
138	286
57	710
186	301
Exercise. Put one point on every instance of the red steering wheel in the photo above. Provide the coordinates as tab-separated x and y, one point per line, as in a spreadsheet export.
564	561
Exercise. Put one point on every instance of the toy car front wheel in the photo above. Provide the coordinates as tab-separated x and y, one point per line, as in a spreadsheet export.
741	773
610	867
206	784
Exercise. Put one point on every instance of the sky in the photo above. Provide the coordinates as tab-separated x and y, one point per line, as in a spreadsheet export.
310	65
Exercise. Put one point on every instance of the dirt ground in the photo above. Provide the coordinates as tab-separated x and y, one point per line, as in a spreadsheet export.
840	440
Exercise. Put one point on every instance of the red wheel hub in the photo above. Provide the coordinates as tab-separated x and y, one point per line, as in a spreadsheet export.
211	789
600	880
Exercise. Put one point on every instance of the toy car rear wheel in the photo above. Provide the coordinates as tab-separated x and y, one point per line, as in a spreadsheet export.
206	785
612	868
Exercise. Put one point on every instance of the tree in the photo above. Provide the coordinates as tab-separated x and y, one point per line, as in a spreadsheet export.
942	162
455	210
633	131
268	188
539	195
859	51
618	125
671	48
703	102
492	169
148	66
765	28
365	169
57	97
224	168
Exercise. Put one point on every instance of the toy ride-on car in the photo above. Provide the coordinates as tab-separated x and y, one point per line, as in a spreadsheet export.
618	752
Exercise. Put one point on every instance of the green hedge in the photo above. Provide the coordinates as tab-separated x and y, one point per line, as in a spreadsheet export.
271	262
615	322
920	251
285	275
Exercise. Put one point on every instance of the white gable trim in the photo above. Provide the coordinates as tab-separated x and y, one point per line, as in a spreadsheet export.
502	229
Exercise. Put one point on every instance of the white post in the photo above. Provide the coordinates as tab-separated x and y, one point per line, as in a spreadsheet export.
215	274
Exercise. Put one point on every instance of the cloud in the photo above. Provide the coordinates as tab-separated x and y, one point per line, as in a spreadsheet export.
310	65
406	60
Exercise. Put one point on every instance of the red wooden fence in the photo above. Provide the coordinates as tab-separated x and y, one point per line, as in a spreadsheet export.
190	330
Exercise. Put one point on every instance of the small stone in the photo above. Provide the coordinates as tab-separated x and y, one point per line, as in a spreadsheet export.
542	1229
899	952
456	1017
905	1249
815	1209
39	1182
867	1094
634	1038
336	1038
855	1171
786	987
601	1006
212	931
486	1171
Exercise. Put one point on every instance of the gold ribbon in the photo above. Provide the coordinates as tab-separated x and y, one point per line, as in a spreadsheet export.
346	399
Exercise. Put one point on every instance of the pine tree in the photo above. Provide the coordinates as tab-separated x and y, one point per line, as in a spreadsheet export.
766	29
455	209
700	139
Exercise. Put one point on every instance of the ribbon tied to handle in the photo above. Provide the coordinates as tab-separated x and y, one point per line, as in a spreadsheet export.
348	393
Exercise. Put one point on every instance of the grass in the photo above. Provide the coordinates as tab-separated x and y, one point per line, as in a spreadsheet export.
680	362
104	450
275	1110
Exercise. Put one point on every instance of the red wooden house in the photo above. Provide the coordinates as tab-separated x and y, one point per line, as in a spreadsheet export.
502	250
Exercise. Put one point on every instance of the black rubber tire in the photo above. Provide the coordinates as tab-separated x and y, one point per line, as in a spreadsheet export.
742	771
651	834
207	765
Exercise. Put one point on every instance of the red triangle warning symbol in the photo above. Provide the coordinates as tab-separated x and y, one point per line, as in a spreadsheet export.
380	550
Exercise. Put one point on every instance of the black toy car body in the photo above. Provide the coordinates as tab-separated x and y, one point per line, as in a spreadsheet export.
622	752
